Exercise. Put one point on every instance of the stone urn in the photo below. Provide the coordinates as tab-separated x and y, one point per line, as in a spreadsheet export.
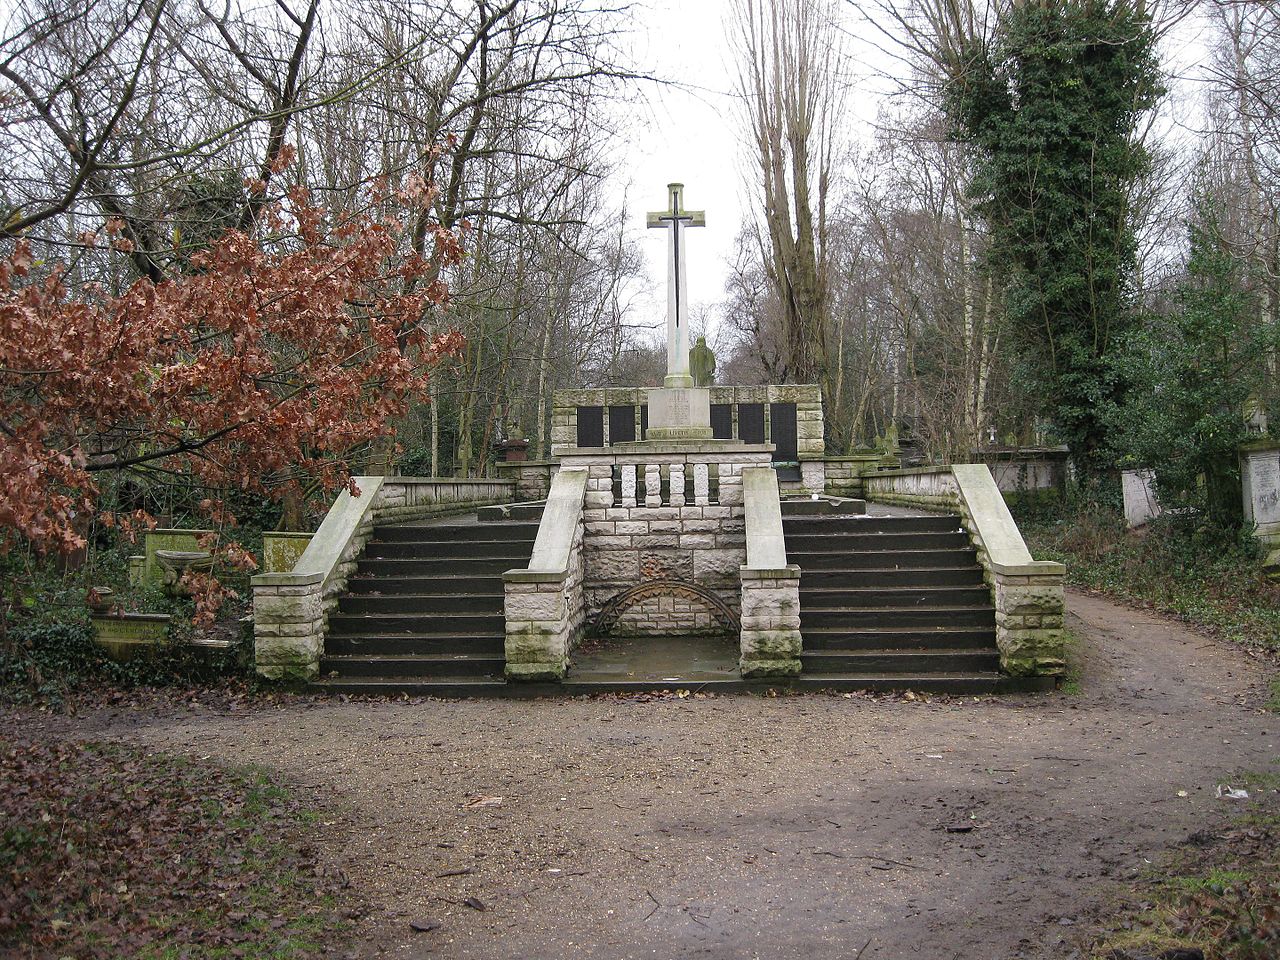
100	599
175	563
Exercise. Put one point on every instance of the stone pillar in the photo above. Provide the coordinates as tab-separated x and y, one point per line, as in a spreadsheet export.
770	638
288	625
1029	610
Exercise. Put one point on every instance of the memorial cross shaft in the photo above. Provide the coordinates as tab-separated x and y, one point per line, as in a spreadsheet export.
675	218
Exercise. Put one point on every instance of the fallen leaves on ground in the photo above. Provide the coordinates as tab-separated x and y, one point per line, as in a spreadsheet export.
111	851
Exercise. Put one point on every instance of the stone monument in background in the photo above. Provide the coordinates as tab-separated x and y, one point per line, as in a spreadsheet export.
678	410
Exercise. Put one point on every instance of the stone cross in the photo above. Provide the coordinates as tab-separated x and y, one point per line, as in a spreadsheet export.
675	218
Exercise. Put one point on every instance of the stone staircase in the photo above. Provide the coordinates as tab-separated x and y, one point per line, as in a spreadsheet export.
893	602
424	611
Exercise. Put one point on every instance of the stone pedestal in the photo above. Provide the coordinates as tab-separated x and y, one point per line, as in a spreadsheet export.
682	413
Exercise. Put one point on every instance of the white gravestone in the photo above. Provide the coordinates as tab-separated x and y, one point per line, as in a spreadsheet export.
1140	503
1260	476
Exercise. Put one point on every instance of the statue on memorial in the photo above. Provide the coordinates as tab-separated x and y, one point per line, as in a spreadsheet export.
702	364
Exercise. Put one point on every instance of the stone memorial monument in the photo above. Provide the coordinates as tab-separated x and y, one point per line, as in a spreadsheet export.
677	409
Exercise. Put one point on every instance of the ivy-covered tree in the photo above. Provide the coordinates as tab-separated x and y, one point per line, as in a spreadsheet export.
1051	109
1191	373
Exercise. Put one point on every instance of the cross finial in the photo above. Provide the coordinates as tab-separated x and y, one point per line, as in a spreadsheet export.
676	218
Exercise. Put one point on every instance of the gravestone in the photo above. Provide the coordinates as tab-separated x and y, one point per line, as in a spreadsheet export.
1140	503
1260	482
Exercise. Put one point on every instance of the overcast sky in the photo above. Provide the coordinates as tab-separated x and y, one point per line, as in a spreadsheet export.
692	134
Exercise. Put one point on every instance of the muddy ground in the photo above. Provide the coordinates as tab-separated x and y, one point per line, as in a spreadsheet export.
816	826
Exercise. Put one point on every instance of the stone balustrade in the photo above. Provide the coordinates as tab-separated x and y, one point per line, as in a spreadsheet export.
1028	594
290	609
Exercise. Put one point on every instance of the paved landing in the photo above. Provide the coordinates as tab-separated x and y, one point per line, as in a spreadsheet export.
656	659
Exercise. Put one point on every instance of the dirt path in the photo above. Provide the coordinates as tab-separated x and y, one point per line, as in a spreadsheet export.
743	827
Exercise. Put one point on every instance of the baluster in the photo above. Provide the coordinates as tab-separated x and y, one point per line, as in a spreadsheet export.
628	484
701	484
677	485
652	485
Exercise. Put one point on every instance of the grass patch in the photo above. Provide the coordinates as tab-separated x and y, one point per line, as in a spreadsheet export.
112	852
1072	682
1220	893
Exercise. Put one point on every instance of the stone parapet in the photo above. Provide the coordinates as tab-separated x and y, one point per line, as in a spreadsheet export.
544	603
770	637
290	610
1028	594
842	476
531	477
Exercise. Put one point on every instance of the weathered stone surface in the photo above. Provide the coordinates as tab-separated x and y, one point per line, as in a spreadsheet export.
718	565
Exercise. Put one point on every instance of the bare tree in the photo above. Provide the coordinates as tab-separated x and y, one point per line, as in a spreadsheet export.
789	81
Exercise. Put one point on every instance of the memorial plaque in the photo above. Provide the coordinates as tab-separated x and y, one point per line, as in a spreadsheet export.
751	422
722	421
622	424
783	433
591	426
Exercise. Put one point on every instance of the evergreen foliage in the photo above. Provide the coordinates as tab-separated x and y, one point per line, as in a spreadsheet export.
1051	110
1192	373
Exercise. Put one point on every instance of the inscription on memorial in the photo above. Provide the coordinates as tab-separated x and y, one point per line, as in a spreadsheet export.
1264	475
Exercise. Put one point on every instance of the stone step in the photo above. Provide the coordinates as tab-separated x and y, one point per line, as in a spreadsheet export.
809	507
882	559
527	511
970	576
426	603
416	550
481	583
390	624
902	638
393	687
409	644
934	523
444	533
414	665
938	660
891	597
888	618
952	684
858	542
442	566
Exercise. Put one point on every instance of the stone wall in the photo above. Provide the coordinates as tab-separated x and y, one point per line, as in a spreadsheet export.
1026	469
631	539
531	477
842	476
1028	594
290	609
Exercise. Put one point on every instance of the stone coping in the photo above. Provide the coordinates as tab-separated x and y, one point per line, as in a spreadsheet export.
851	457
516	464
790	572
554	543
766	545
912	471
663	447
1260	445
452	481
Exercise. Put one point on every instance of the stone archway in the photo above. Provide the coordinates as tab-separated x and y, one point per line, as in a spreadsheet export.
671	606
